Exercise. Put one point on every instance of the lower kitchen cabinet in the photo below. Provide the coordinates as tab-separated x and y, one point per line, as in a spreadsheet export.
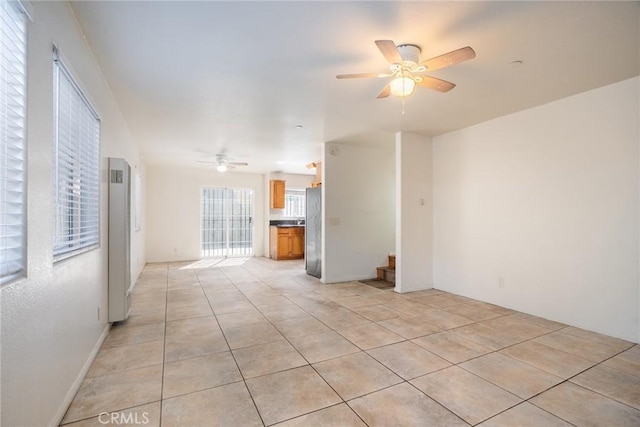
286	242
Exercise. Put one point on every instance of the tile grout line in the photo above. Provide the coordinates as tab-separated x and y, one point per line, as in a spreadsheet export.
294	348
528	400
114	373
361	351
166	309
343	401
244	380
279	293
498	351
301	355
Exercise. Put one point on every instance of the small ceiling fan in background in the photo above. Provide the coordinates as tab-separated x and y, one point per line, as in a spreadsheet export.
407	70
223	163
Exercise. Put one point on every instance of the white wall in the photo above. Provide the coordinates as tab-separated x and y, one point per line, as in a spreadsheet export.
50	324
414	214
173	209
539	210
358	210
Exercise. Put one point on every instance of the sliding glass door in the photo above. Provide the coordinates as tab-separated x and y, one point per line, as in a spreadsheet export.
226	222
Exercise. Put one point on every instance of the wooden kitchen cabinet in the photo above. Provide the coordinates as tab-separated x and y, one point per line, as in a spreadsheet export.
286	242
283	246
297	242
276	195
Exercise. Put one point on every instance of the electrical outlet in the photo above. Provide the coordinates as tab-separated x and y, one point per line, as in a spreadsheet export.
501	282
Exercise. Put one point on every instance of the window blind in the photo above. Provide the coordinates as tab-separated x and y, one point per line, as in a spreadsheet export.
77	180
294	203
12	139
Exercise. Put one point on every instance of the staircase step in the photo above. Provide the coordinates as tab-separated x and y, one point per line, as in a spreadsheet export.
386	273
390	275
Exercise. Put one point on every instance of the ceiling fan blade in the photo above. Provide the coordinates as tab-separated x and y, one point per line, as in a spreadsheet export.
385	92
204	161
238	163
451	58
390	51
362	75
436	84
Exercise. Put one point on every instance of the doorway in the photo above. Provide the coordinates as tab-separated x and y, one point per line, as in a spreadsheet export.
226	222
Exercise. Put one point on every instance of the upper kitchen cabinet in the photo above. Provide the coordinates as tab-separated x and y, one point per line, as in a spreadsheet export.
277	194
318	167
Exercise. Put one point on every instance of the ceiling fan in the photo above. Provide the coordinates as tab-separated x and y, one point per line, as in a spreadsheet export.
407	70
223	164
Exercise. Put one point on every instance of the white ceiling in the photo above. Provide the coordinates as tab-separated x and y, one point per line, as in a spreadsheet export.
237	77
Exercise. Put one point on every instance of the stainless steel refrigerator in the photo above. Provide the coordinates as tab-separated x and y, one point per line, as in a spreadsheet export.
313	232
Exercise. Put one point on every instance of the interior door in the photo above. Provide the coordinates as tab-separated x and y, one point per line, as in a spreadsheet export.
226	222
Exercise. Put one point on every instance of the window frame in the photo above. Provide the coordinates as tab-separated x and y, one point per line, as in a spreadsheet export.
77	183
293	192
224	211
19	14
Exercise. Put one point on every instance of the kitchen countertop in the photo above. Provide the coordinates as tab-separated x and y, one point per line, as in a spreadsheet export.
286	223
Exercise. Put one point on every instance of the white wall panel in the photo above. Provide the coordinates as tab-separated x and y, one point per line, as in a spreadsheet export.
359	210
538	211
414	215
50	322
173	209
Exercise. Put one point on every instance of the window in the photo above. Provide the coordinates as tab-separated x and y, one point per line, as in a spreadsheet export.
13	29
294	201
77	183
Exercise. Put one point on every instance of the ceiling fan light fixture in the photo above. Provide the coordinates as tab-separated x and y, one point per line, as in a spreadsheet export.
402	86
221	167
404	64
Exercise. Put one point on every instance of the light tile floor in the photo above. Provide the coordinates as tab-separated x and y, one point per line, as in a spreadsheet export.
243	342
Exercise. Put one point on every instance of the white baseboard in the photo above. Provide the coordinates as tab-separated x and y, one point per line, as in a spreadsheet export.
406	289
349	278
78	382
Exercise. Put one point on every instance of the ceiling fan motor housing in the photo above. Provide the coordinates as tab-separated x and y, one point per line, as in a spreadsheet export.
410	53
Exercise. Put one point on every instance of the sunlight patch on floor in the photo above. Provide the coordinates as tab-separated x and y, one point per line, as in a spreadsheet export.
215	263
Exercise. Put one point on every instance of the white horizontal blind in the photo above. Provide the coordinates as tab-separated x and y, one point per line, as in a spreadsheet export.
77	181
294	201
13	33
